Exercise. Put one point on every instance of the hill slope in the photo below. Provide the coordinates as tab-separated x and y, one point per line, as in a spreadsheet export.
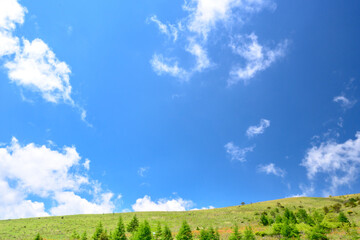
62	227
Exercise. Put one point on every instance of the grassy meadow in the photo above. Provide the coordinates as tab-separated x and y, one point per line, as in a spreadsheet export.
61	227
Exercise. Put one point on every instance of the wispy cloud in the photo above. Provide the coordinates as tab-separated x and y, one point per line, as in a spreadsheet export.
205	17
145	204
167	29
163	65
344	102
258	129
272	169
143	171
339	161
257	57
236	153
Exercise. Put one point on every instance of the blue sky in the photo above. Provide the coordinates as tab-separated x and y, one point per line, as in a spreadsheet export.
173	105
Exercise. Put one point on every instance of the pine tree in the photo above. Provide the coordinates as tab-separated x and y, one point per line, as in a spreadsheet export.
143	232
133	225
98	231
119	233
235	235
38	237
167	234
342	218
158	233
184	232
248	234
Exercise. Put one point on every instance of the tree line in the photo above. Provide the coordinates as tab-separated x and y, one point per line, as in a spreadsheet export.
142	231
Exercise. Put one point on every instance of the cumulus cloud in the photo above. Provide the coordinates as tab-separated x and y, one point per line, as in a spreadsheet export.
259	129
236	153
145	204
344	102
257	57
11	13
272	169
36	67
32	65
56	175
163	65
340	162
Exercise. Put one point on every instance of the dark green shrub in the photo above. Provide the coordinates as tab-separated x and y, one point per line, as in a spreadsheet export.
167	234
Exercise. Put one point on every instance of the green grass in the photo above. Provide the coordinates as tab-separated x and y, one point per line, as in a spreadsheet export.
62	227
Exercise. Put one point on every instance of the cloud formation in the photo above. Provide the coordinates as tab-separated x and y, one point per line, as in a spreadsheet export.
32	65
56	175
259	129
145	204
340	162
272	169
236	153
257	57
344	102
204	17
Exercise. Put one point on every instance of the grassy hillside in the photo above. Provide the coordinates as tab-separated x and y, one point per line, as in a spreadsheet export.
222	218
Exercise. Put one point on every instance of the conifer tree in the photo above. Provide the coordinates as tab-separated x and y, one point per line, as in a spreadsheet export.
184	232
248	234
167	234
84	236
143	232
133	225
235	235
158	232
119	233
98	231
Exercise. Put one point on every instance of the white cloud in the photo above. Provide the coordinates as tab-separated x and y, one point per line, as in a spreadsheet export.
344	102
163	65
272	169
142	171
168	29
236	153
56	175
202	60
203	208
86	164
205	14
259	129
35	67
307	191
11	13
145	204
339	161
257	57
69	203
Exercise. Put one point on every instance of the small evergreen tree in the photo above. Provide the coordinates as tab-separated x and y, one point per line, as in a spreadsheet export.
184	232
204	235
167	234
98	231
133	225
249	234
38	237
143	232
158	233
119	233
235	235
